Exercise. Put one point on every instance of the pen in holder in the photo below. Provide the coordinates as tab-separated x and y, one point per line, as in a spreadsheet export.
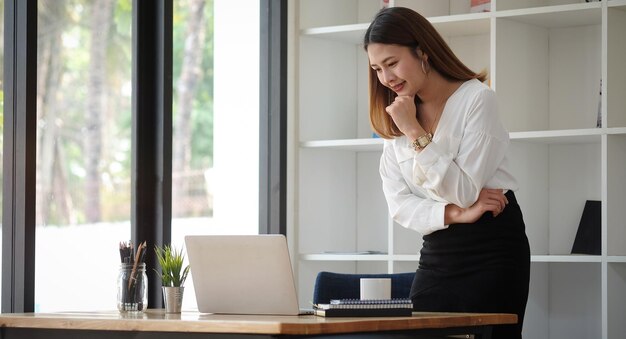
132	281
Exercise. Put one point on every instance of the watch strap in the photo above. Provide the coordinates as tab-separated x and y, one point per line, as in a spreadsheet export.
422	141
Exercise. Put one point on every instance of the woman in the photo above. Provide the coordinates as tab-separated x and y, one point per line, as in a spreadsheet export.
445	171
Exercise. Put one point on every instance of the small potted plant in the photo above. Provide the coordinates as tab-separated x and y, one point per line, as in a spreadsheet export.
173	276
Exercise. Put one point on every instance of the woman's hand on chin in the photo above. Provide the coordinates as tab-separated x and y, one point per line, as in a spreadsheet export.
403	112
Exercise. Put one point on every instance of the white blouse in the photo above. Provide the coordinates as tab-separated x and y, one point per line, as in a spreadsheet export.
467	153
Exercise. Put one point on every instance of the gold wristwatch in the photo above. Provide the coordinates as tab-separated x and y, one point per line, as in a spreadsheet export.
422	141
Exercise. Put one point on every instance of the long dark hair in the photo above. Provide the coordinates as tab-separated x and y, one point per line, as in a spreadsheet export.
405	27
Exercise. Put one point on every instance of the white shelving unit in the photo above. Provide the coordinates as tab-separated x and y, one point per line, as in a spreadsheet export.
545	59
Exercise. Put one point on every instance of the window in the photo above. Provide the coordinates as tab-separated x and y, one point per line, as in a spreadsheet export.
84	125
83	150
70	190
215	157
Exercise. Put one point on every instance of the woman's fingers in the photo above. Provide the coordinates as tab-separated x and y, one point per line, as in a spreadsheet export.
402	111
494	200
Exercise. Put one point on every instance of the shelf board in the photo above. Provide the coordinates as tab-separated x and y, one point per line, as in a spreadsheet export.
616	259
344	257
453	25
574	258
358	257
406	257
352	34
366	144
616	130
581	14
569	136
573	136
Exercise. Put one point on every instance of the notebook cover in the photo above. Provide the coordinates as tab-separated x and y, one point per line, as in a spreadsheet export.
365	312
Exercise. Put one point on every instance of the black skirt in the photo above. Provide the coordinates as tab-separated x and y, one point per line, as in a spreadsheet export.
479	267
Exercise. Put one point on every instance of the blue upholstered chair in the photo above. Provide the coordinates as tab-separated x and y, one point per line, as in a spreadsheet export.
329	285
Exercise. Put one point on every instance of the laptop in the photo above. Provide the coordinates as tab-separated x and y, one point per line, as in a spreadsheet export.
242	274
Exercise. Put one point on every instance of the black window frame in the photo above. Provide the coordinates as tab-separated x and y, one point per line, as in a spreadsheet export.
273	118
151	176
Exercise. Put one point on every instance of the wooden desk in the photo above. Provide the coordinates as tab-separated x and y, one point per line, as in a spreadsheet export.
156	324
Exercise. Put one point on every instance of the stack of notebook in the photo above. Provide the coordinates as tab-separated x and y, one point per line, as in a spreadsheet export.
365	308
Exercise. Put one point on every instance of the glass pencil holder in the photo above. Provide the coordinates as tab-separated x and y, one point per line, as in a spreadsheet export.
132	288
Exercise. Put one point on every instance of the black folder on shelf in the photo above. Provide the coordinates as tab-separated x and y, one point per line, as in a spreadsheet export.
588	236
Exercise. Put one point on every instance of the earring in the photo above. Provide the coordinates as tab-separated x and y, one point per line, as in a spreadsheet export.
423	68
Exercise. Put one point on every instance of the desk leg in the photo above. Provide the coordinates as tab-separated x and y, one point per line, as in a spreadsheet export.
485	334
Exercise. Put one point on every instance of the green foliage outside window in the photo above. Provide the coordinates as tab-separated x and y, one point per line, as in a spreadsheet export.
65	71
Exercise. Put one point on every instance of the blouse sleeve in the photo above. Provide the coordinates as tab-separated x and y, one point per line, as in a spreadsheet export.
458	178
406	208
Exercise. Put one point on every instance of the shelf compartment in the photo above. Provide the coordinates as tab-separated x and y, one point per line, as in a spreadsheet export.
429	8
555	181
534	6
326	186
556	87
616	194
406	242
617	3
320	13
404	266
334	107
583	14
464	24
616	297
317	13
564	301
345	208
616	54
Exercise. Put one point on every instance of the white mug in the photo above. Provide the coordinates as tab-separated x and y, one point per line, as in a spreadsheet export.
375	288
